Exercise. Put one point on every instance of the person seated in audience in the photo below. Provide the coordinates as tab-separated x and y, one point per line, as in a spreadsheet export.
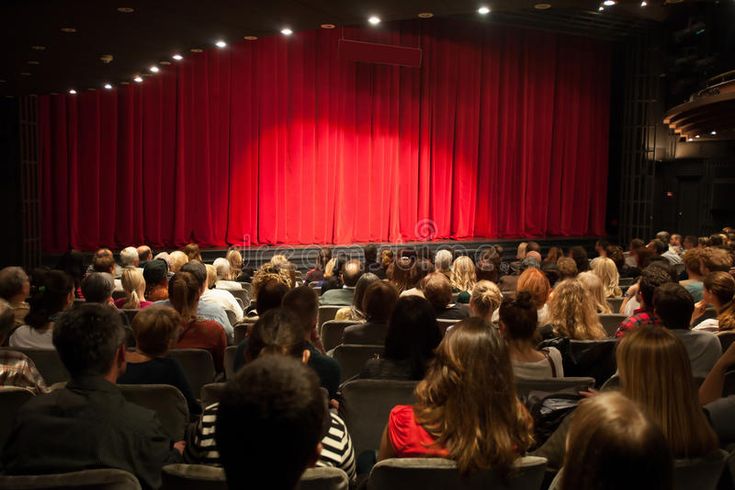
488	266
370	253
567	268
15	288
413	335
466	406
614	445
593	285
192	252
378	303
176	260
675	244
266	274
355	312
196	332
156	331
463	278
224	275
420	269
97	288
579	255
485	301
105	264
601	248
221	297
155	274
510	282
129	257
719	292
514	267
72	262
714	260
289	270
332	273
316	273
134	285
572	314
661	249
694	281
690	242
234	258
607	271
166	257
552	256
443	262
386	259
53	295
651	278
535	256
719	408
518	324
99	254
89	423
400	273
673	305
145	254
438	290
270	295
272	400
277	333
534	282
349	277
17	369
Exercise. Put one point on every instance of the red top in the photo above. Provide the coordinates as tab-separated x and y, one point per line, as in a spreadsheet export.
409	439
205	334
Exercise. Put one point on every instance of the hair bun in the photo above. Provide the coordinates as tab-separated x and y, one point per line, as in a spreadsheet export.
524	299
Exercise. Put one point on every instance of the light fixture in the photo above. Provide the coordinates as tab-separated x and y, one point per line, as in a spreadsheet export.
126	10
72	91
690	139
108	86
374	20
177	57
327	26
68	29
426	15
250	38
286	31
542	6
138	79
221	44
609	3
644	3
714	133
601	8
153	69
32	62
697	136
164	62
484	10
38	48
196	50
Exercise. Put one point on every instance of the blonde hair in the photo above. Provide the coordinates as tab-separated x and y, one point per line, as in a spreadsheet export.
521	252
176	260
211	275
280	260
223	269
592	282
486	298
133	283
234	257
533	281
268	272
608	273
656	373
329	268
463	274
572	312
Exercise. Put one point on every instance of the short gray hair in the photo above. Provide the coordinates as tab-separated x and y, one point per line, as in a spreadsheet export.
223	268
443	260
129	257
12	280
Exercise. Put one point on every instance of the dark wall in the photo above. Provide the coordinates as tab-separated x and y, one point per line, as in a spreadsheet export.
11	242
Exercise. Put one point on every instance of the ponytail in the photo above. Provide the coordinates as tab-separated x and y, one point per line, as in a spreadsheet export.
726	318
183	293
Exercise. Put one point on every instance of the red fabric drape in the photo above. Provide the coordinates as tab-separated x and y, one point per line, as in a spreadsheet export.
501	133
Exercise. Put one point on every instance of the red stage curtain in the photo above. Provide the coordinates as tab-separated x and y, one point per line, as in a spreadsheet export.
502	132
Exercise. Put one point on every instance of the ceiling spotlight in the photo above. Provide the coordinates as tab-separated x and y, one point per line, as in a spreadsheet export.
644	3
126	10
697	136
484	10
286	31
714	133
690	139
138	79
177	57
374	20
250	38
38	48
68	29
221	44
196	50
609	3
601	8
108	86
542	6
153	69
426	15
72	91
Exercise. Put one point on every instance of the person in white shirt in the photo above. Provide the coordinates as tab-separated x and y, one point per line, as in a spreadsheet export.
223	278
221	297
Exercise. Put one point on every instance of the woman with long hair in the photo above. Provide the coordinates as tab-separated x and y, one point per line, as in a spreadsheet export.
608	273
355	313
463	278
400	272
719	292
466	406
535	282
316	273
572	313
553	256
593	284
485	300
234	257
134	286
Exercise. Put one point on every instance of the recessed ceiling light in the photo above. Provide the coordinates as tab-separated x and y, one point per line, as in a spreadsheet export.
124	83
714	133
374	20
126	10
644	3
177	57
697	136
195	50
72	91
38	48
25	73
484	10
108	86
221	44
32	62
250	38
689	139
68	29
286	31
327	26
138	79
609	3
153	69
601	8
426	15
542	6
164	62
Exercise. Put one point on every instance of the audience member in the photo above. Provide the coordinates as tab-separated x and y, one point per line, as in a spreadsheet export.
176	260
463	278
438	290
89	424
675	244
386	259
534	282
719	292
129	257
371	259
466	406
234	258
378	303
661	249
552	256
72	262
715	259
134	285
579	255
355	313
719	409
104	261
349	277
221	297
572	313
224	275
488	265
400	273
567	268
155	274
443	262
421	269
510	282
651	278
601	248
145	255
17	369
270	296
15	288
192	252
316	274
518	323
694	281
608	273
97	287
156	330
690	242
593	285
54	294
485	301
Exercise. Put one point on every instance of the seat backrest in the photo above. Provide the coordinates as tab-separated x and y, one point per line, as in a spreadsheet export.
366	404
615	304
613	383
594	358
701	473
231	317
246	286
201	477
241	330
729	386
611	322
240	303
48	364
129	314
552	385
400	474
97	479
198	366
11	399
626	281
242	294
168	403
352	358
326	313
324	479
211	393
726	339
230	351
444	324
332	333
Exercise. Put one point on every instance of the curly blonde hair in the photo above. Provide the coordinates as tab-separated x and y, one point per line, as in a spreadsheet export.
269	272
608	273
592	282
463	274
572	312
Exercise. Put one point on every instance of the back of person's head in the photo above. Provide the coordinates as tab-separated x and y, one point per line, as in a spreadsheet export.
156	330
211	276
400	272
14	283
129	257
716	240
536	284
379	301
693	261
234	258
488	265
52	292
386	257
579	255
351	273
304	303
438	290
278	331
103	263
690	241
155	273
612	445
643	257
664	236
715	259
615	253
413	334
144	253
192	251
535	256
176	260
533	247
88	338
269	272
593	285
222	269
134	285
721	285
362	284
519	317
635	244
271	400
607	271
554	254
97	287
485	299
673	305
468	400
371	253
270	295
198	270
658	247
183	293
655	372
567	268
521	250
572	312
421	269
443	260
463	273
651	278
602	244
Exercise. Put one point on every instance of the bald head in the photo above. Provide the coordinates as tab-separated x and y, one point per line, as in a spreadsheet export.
351	273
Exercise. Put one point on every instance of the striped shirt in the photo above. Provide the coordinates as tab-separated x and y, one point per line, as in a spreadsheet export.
337	451
17	369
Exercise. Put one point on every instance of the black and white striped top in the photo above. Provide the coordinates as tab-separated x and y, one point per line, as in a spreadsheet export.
336	452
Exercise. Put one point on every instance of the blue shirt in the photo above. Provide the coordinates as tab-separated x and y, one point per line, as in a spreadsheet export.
210	311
